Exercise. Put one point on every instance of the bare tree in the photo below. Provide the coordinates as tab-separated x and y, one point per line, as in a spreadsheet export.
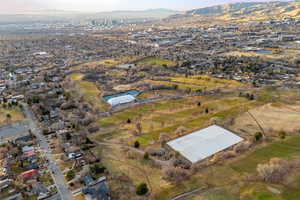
175	174
274	171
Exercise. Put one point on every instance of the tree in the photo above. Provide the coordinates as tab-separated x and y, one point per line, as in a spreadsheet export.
136	144
68	136
282	134
70	175
175	174
45	131
142	189
8	116
139	127
258	136
146	156
97	169
274	171
206	110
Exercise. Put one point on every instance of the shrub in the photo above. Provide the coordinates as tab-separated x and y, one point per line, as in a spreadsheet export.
175	174
136	144
46	132
242	147
181	163
258	136
70	175
93	128
274	171
206	110
146	156
97	169
142	189
282	134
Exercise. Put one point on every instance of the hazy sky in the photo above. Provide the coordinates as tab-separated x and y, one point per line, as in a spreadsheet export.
9	6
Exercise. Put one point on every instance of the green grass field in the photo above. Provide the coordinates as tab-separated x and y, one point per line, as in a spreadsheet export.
157	62
196	83
283	149
90	91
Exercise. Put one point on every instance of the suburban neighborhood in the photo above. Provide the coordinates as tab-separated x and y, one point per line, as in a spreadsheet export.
201	104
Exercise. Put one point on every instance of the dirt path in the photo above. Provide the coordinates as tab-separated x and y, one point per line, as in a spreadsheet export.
190	193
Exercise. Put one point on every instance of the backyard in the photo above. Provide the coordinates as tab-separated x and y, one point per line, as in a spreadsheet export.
10	115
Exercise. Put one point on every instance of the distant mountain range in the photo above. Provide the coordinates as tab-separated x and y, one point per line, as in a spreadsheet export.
61	15
249	10
245	11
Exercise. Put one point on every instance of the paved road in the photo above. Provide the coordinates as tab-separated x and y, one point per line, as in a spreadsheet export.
53	167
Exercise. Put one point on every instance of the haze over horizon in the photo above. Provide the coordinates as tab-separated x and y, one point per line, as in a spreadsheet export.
19	6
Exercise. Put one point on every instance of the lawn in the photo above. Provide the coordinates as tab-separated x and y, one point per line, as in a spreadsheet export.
159	62
89	90
261	191
15	113
288	148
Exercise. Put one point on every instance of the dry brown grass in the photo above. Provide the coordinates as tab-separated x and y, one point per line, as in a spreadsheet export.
272	117
105	63
15	113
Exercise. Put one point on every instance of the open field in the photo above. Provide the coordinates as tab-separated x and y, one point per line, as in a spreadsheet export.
105	63
139	170
268	116
195	83
157	62
15	113
167	116
228	178
288	148
279	53
89	91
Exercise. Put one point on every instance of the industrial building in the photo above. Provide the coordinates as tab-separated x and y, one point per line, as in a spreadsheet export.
121	100
204	143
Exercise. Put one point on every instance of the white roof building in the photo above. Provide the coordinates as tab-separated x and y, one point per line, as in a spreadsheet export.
204	143
121	100
41	53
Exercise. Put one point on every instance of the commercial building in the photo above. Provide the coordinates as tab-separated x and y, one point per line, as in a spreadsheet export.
204	143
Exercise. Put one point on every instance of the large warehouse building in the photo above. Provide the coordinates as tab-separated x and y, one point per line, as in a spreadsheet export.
121	100
204	143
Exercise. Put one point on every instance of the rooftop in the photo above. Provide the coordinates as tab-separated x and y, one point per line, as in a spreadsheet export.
121	100
204	143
